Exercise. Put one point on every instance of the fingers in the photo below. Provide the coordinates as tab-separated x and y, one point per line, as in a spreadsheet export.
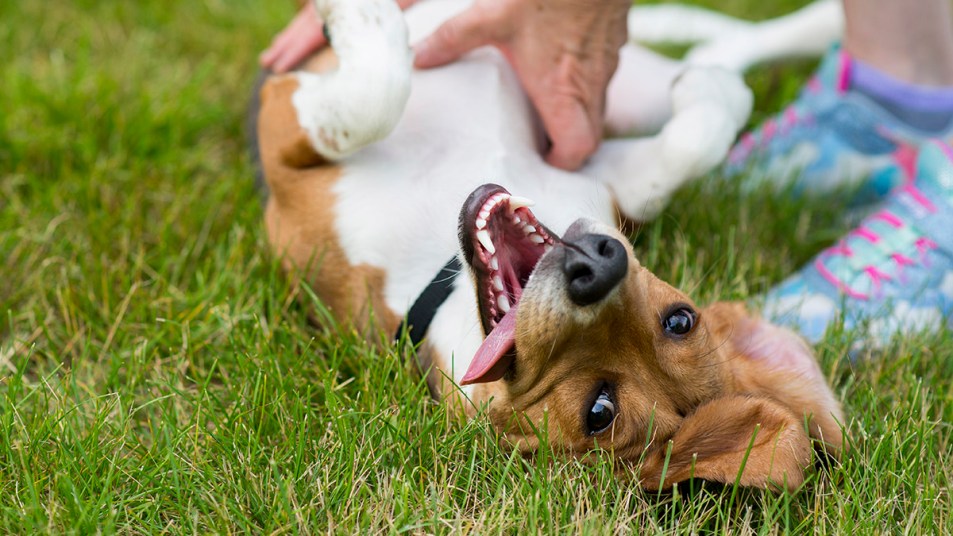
298	49
297	41
574	136
473	28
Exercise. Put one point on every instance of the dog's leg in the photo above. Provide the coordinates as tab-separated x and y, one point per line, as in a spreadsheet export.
807	32
738	44
361	101
710	105
683	25
639	97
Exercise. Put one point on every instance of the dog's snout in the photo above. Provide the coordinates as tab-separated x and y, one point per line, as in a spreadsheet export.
593	266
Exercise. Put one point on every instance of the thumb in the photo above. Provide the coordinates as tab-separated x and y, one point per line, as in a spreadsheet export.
573	135
454	38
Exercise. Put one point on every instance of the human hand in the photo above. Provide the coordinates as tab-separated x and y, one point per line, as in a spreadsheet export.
303	35
301	38
564	53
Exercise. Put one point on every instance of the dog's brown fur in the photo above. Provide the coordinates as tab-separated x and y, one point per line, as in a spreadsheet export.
735	393
733	382
299	214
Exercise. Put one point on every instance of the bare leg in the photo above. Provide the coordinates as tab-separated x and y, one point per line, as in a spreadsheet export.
910	40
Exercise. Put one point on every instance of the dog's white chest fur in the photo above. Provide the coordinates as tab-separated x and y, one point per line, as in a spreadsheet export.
464	125
469	123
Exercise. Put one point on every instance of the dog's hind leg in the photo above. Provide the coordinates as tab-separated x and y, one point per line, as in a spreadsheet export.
808	32
734	43
680	24
710	105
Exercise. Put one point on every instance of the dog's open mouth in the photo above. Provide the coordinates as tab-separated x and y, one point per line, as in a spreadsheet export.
502	241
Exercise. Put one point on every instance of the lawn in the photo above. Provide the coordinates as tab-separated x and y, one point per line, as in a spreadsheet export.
157	373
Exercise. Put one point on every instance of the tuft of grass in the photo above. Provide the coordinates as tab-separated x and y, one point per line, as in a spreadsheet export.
158	373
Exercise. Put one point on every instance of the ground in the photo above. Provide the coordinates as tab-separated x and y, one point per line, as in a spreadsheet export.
158	373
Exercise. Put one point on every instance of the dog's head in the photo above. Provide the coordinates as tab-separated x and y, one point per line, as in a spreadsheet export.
584	342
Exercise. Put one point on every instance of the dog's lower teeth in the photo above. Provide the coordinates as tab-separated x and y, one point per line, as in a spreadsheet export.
536	239
498	283
503	303
517	220
528	229
480	223
495	265
485	240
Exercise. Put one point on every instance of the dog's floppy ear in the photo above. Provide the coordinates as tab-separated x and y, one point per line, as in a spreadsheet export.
773	362
754	441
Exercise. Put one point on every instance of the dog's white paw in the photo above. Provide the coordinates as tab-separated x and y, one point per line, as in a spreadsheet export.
361	101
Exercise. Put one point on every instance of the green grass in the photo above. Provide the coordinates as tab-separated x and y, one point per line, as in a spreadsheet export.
157	372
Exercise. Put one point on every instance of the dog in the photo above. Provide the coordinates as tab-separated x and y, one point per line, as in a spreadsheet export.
543	314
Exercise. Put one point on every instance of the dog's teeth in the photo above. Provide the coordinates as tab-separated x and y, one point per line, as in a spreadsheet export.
517	220
536	239
495	265
498	283
480	223
528	229
519	202
504	303
484	238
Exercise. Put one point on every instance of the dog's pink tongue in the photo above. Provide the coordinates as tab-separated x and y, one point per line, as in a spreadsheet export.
494	356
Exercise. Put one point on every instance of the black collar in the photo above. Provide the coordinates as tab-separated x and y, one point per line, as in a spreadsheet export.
423	310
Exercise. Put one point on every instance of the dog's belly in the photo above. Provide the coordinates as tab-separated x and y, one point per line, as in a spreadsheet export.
465	125
398	201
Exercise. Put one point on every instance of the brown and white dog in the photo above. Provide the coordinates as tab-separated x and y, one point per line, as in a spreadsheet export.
368	164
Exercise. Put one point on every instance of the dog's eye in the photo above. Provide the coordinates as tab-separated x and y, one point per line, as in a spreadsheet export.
601	414
679	322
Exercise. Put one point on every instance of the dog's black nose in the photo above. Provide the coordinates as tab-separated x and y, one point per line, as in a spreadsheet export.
594	265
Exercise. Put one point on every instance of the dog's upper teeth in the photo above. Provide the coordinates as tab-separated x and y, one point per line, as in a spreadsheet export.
516	220
528	229
504	303
536	239
480	223
484	238
519	202
498	283
494	264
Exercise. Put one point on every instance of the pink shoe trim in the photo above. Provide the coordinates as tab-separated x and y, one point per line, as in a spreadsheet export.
876	277
917	195
826	274
843	77
888	217
924	244
864	232
840	249
947	150
790	117
906	159
903	260
747	141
